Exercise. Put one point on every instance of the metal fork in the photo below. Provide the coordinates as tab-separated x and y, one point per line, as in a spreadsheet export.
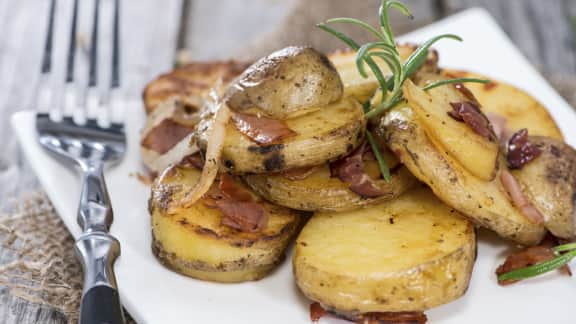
84	138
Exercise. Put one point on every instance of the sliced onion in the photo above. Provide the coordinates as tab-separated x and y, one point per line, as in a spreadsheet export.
519	199
498	123
157	162
213	153
500	126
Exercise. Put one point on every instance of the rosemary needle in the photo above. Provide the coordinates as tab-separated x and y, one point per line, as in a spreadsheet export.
385	49
542	267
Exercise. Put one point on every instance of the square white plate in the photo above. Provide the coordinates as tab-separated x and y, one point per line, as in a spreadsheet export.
154	294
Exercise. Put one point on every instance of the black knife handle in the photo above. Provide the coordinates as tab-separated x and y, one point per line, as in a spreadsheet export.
101	305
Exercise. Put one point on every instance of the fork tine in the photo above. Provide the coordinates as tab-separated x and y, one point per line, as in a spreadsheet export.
70	95
47	54
115	79
72	45
43	95
93	73
92	95
116	110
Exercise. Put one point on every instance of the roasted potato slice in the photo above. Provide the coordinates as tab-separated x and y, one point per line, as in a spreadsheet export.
410	254
174	102
477	154
484	202
364	88
321	192
520	109
549	181
190	83
323	135
287	83
193	242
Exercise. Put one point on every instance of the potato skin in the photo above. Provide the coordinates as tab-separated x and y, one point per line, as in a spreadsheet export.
322	136
287	83
520	108
456	138
485	203
410	254
194	243
549	181
320	192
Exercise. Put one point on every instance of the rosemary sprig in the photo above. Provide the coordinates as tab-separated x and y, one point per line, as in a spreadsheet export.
353	45
384	49
543	267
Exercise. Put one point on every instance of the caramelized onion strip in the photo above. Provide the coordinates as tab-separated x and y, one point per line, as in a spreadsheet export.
213	153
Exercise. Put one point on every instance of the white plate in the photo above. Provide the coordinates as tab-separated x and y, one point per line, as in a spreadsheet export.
153	294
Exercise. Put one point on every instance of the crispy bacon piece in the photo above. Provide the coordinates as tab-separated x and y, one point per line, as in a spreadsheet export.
240	210
469	113
299	173
243	216
521	150
350	170
490	85
530	256
316	312
165	135
232	191
466	92
262	130
519	199
393	318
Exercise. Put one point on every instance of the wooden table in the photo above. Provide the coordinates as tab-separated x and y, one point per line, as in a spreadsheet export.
152	31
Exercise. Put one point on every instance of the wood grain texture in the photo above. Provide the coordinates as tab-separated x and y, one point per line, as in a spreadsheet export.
543	30
149	31
298	28
23	24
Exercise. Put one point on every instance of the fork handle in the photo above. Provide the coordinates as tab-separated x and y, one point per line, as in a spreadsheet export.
95	210
100	301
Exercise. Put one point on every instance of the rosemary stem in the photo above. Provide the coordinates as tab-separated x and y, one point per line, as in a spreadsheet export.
538	269
384	106
384	169
565	247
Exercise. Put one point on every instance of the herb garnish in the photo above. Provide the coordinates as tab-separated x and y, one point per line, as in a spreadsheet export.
385	49
564	254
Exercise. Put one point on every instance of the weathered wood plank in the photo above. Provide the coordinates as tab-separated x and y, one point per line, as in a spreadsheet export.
149	49
217	29
22	311
542	30
223	29
149	32
298	28
19	39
